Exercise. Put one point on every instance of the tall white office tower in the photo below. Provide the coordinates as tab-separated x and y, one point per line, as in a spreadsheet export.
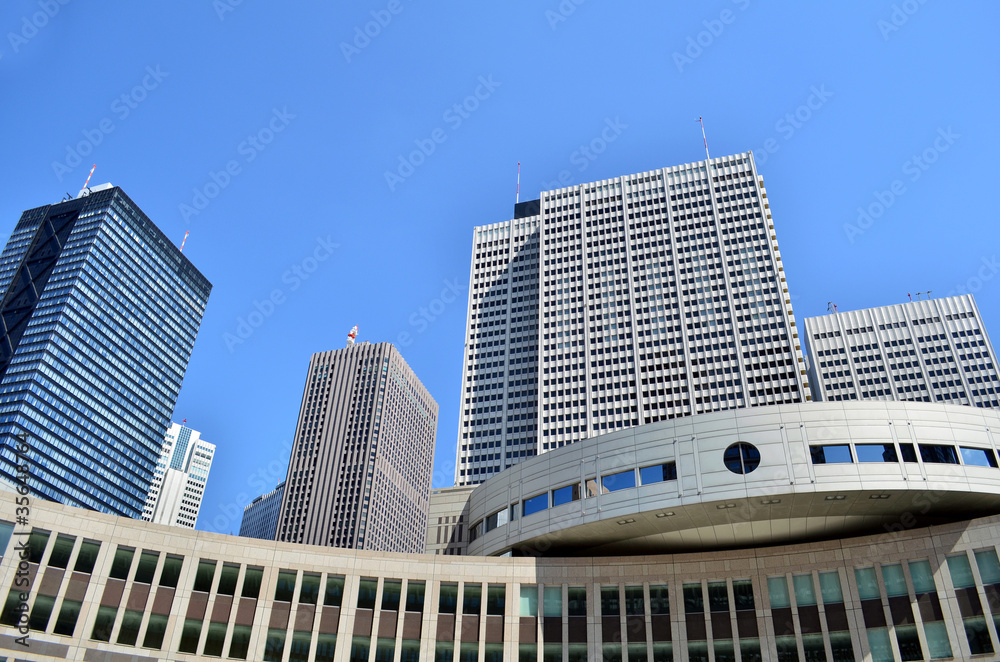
935	350
620	302
179	478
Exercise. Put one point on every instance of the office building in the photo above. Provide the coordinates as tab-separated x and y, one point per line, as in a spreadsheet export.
179	478
934	350
776	533
360	471
260	517
99	316
622	302
447	526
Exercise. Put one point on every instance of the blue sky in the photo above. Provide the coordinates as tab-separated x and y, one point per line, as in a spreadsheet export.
331	161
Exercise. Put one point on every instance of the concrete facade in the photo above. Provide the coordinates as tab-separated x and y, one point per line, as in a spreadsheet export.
361	464
106	589
935	350
448	521
621	302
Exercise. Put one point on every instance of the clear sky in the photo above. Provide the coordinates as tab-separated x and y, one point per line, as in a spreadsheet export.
332	159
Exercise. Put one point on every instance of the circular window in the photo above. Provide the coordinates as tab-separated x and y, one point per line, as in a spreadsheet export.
741	458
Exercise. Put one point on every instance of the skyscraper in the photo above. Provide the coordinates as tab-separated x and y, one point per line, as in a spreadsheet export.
625	301
260	517
179	478
935	350
360	471
99	316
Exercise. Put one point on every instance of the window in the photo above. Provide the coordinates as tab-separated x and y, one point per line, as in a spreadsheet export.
37	541
741	458
980	457
908	453
391	590
577	601
829	586
496	599
251	582
876	452
240	643
156	628
658	473
367	590
529	601
472	599
565	494
415	596
214	639
61	551
87	557
204	576
274	645
448	599
285	588
618	481
146	568
777	590
610	602
334	591
104	623
121	563
171	571
805	591
66	622
832	454
936	454
535	504
309	591
743	594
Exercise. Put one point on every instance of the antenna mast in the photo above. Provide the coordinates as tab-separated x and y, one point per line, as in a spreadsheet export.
184	240
517	197
702	122
351	335
92	169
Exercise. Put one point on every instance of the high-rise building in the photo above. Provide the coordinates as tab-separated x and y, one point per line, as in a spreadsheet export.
360	471
260	517
935	350
621	302
99	316
179	478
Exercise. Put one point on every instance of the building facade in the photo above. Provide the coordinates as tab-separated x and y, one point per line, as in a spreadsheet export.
622	302
100	312
934	350
260	517
360	471
105	589
179	478
448	521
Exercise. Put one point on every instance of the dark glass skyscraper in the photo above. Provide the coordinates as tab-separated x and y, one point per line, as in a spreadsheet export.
97	322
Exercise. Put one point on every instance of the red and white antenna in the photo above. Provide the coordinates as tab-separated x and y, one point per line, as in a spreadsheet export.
702	122
352	335
517	197
184	240
92	169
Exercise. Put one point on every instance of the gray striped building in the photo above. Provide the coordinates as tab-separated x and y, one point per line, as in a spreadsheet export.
361	465
935	350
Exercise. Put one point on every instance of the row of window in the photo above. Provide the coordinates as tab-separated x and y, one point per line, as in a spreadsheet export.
887	452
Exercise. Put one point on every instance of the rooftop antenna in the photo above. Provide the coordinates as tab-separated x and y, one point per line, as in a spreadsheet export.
702	122
918	295
92	169
184	240
517	196
909	295
351	335
831	307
